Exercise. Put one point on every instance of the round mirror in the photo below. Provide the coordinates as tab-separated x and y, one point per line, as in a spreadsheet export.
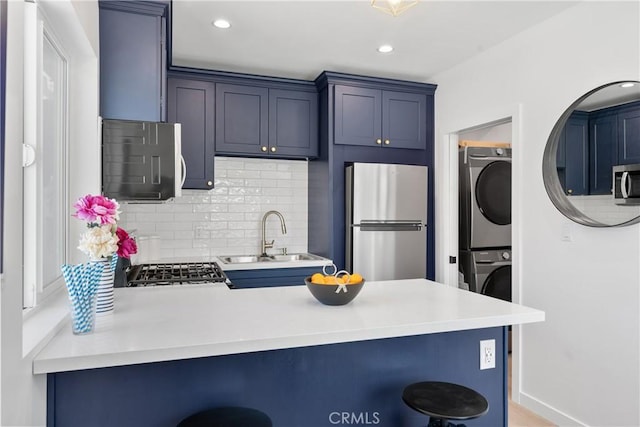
591	163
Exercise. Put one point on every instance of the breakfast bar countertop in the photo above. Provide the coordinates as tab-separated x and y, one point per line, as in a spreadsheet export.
153	324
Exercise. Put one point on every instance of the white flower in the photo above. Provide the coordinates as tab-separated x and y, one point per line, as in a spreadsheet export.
99	242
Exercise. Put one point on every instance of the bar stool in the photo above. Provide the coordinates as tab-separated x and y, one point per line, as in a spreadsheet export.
229	416
445	401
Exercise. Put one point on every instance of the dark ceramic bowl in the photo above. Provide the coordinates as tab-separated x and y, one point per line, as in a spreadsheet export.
327	295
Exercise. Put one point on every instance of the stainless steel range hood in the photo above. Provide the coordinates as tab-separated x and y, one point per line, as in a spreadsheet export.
141	161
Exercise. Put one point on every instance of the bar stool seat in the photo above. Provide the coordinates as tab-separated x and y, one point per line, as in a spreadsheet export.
443	401
229	416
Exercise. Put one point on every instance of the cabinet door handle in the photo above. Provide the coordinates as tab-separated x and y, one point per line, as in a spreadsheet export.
378	141
570	191
273	149
209	183
264	149
387	142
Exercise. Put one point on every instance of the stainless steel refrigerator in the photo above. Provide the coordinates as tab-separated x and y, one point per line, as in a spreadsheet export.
386	220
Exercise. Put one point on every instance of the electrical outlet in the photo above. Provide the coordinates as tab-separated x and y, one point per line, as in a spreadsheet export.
566	232
487	354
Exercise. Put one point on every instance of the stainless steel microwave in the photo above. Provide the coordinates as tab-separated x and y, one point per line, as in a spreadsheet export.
141	161
626	184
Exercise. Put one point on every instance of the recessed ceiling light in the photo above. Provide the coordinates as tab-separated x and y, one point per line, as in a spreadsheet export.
385	48
221	23
629	84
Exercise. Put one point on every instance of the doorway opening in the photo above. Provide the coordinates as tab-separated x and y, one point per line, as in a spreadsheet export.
484	156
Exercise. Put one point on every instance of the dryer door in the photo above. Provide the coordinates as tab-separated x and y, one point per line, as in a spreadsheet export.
498	283
493	192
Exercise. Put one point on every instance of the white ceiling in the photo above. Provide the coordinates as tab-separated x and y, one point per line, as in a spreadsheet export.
300	39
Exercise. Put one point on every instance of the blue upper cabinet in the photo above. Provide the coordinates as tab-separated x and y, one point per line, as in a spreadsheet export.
293	123
404	120
191	103
613	138
358	116
603	132
370	117
629	136
576	142
561	152
262	121
242	119
133	60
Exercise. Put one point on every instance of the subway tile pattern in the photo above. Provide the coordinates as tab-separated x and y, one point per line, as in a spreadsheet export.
602	208
227	219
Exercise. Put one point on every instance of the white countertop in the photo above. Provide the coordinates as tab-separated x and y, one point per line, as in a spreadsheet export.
180	322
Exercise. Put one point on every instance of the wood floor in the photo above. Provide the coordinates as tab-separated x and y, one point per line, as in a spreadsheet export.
520	416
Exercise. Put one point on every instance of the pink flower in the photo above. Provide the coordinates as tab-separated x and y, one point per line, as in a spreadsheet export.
98	210
126	244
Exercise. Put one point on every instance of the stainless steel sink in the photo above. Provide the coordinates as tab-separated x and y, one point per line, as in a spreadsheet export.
242	259
296	257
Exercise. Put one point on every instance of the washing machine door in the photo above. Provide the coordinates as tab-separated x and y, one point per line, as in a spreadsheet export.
493	192
498	283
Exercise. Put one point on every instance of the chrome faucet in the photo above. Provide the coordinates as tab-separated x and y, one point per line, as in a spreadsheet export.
267	245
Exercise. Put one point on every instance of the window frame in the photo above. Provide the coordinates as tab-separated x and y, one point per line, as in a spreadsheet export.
37	30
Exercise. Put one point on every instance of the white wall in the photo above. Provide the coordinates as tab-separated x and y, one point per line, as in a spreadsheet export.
500	132
581	366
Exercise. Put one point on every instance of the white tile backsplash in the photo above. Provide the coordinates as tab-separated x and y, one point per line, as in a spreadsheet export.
602	208
227	219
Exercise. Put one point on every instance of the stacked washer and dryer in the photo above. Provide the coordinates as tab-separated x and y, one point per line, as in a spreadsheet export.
485	219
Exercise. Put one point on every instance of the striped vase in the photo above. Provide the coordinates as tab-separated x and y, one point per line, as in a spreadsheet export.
104	299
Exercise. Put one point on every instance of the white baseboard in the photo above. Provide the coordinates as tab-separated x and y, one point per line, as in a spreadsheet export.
555	416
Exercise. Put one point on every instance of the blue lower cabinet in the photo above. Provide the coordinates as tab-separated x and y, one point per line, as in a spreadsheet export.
353	383
270	277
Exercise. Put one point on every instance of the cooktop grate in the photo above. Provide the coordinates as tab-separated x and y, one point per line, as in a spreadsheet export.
175	274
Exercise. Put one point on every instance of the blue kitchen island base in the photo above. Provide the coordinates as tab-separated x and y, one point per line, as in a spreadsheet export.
353	383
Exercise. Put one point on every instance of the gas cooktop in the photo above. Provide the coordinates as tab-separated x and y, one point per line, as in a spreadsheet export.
182	273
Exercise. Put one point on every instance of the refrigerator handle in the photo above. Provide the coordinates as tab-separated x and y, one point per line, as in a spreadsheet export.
407	226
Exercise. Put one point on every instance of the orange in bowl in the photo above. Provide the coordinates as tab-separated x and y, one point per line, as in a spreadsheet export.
330	280
355	278
334	293
317	278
